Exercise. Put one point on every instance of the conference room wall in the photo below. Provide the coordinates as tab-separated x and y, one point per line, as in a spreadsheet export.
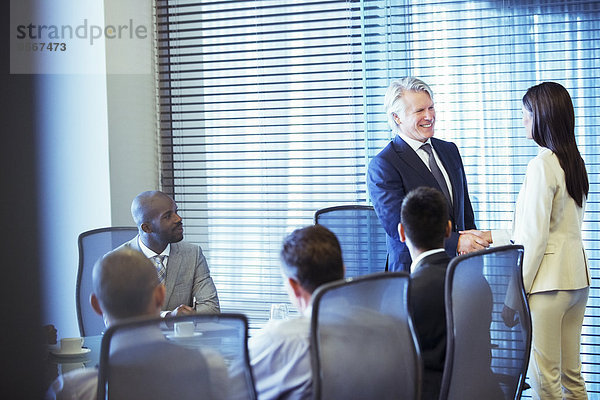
97	146
22	351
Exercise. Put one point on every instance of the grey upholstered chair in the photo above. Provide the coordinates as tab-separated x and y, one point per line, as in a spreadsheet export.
486	356
93	245
363	344
147	359
361	237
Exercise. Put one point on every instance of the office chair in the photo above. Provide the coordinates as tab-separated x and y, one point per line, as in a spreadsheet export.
148	359
361	236
363	344
486	357
93	245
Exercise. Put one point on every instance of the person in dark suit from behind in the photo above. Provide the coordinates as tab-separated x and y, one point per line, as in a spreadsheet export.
425	226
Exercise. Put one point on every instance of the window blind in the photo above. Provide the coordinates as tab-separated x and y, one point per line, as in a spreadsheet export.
261	125
271	110
480	57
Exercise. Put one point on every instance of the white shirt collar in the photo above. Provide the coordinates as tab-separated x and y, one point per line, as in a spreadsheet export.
308	310
136	336
149	253
413	143
422	256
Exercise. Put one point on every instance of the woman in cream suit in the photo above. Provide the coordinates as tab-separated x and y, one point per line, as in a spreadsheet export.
547	222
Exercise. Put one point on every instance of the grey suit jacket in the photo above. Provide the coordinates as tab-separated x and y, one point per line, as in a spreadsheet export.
187	277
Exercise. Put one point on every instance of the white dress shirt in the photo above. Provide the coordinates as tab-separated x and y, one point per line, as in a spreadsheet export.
151	253
416	146
280	359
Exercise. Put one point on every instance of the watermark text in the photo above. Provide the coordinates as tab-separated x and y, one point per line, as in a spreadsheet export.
87	31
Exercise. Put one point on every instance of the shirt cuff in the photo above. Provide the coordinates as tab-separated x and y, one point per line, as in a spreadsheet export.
501	237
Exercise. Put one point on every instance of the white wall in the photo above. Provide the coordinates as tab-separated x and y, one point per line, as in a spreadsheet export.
133	144
98	149
75	184
74	161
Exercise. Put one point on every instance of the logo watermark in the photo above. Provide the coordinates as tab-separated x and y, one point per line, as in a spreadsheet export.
74	37
51	33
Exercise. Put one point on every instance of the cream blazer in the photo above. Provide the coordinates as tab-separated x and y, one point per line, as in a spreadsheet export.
547	222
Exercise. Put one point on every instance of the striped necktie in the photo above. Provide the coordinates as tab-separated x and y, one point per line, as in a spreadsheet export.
437	173
160	267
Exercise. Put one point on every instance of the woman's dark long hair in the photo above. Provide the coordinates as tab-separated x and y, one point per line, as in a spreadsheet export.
553	127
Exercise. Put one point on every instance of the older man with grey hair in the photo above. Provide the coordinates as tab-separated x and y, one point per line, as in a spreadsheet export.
415	158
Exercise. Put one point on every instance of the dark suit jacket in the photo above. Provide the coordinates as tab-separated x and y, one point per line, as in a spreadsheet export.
188	276
394	172
428	312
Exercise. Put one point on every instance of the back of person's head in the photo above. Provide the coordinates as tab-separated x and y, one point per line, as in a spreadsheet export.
124	282
553	127
312	256
553	114
424	217
393	104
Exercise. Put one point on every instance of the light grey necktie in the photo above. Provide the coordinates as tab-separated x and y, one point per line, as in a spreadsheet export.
437	173
160	267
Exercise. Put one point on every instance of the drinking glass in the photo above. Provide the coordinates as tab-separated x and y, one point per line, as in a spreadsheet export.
279	311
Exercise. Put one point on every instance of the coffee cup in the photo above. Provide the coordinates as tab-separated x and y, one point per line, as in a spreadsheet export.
183	329
71	345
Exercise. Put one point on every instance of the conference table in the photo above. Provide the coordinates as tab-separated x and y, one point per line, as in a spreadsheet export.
57	364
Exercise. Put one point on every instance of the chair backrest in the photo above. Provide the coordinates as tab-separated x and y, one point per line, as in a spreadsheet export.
146	359
363	344
486	357
361	237
93	245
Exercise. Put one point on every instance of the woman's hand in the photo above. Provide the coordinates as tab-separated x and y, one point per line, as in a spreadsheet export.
509	316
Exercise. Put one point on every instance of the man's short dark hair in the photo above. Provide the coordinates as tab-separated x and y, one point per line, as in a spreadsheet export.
312	255
425	217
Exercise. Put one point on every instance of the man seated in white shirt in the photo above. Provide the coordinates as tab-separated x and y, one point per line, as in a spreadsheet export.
125	285
279	353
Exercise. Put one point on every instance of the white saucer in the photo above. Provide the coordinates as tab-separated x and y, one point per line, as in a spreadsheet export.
80	352
172	336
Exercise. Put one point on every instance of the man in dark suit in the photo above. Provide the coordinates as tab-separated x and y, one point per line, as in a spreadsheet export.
424	227
181	266
414	158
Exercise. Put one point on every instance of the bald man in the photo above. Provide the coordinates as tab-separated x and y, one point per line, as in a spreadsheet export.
125	285
180	265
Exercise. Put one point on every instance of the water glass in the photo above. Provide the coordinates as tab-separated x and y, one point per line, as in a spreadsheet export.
279	311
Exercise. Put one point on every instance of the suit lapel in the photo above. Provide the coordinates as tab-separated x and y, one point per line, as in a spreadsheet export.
135	244
173	266
408	156
432	259
446	159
